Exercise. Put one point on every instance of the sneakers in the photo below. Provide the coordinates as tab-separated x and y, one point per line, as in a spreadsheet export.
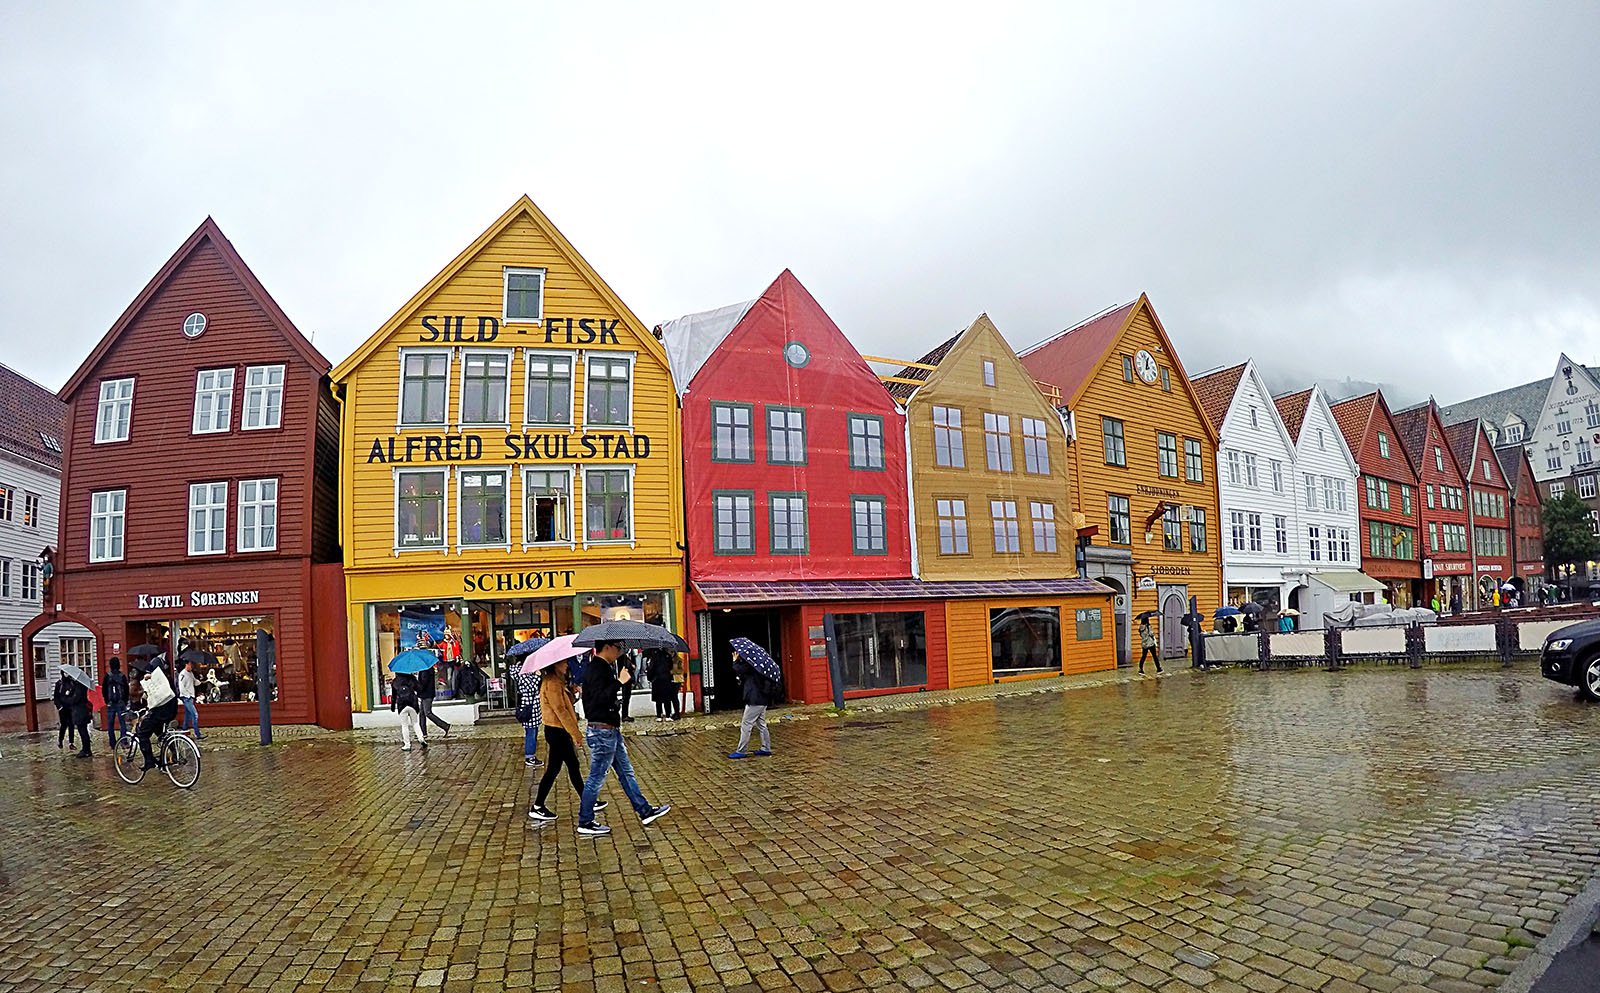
599	805
738	755
762	752
542	815
656	814
593	830
405	748
531	761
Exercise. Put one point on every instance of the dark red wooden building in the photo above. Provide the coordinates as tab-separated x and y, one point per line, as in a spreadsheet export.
199	492
1488	507
1444	509
1527	519
1386	494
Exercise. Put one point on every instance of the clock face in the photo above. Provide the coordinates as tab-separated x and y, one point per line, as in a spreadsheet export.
1145	363
796	354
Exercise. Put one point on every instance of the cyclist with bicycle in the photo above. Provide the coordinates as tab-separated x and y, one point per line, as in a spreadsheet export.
162	704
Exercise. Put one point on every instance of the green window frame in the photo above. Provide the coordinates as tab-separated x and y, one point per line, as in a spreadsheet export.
1118	509
869	524
786	435
549	396
1112	436
424	387
731	433
733	522
866	442
788	511
1167	454
608	390
1194	463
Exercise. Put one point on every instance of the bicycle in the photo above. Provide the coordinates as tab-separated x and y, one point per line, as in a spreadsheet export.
178	756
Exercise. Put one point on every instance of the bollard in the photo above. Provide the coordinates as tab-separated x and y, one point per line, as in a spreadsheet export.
1416	644
1263	650
1505	638
1331	646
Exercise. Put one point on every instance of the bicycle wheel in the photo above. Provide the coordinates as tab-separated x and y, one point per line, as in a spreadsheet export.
128	760
182	757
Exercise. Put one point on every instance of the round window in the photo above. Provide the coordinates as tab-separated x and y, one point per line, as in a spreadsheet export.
796	354
194	325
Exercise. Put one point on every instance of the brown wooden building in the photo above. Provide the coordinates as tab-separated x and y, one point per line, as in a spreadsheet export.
1386	495
199	493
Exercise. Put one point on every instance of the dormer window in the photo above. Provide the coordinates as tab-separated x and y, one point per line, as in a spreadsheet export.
1514	431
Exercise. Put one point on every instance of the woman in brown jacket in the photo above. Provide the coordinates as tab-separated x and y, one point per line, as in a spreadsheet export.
556	697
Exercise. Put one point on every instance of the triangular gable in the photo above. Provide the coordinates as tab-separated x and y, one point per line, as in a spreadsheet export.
524	207
1436	435
1383	419
1564	387
1292	409
1070	360
1218	391
1316	407
207	232
982	338
1471	445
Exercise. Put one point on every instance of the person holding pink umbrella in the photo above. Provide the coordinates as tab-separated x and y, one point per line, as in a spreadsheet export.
548	664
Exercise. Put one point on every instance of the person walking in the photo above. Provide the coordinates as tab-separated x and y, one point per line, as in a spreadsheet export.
427	685
114	687
556	696
405	699
1147	641
529	705
191	716
77	714
756	699
1455	603
1437	605
602	692
66	731
660	666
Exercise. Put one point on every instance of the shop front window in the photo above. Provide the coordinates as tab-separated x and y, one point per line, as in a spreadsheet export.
434	627
880	651
1025	639
228	654
419	510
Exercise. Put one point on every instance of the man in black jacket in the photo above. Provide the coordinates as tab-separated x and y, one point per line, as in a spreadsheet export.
602	709
114	687
426	685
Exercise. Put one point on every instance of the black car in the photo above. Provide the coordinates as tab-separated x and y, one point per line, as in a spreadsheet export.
1571	656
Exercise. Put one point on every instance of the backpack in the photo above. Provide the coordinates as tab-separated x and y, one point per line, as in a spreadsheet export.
116	691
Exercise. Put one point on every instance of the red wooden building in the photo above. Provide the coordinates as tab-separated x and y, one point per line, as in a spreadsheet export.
1489	509
795	494
1445	514
1386	495
1527	518
199	492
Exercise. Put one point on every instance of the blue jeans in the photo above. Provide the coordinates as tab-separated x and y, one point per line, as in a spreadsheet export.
607	752
191	717
116	714
530	739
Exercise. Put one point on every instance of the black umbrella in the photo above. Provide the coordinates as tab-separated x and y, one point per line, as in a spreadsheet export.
1251	607
144	651
196	656
1148	614
631	634
528	647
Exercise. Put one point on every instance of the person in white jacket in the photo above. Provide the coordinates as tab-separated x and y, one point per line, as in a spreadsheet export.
163	708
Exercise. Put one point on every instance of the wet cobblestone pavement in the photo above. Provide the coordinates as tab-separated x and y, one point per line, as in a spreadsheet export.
1374	830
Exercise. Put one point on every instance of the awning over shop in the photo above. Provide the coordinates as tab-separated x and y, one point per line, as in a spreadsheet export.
804	591
1348	581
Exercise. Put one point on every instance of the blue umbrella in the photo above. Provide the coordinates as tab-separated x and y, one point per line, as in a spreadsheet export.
757	656
413	660
1228	611
528	647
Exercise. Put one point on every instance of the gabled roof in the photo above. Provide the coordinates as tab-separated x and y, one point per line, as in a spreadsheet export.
207	232
1068	359
1216	391
30	414
1463	440
1353	417
522	207
1512	459
1525	401
903	391
1292	408
1412	423
693	338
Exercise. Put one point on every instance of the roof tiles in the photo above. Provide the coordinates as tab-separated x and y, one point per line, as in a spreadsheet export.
30	414
1292	408
1216	391
1071	357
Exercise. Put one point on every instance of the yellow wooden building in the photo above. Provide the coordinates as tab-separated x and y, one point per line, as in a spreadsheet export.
510	463
991	515
1143	467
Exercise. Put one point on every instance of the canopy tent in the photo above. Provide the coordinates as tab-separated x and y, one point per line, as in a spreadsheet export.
1348	581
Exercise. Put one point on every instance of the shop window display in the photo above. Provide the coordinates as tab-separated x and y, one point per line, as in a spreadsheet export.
235	643
1025	639
432	626
880	650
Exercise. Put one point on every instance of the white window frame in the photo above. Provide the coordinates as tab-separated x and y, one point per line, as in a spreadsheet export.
952	526
1558	490
1035	446
997	432
116	530
1280	534
461	387
506	272
114	405
1253	522
954	436
1007	529
31	505
1586	486
28	582
1043	516
633	503
1233	467
210	508
400	422
523	474
1236	529
249	539
10	661
1252	472
221	398
444	510
632	358
1276	466
529	356
461	473
5	578
991	376
265	390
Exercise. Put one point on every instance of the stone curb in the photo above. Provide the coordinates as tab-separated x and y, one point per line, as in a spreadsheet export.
1573	926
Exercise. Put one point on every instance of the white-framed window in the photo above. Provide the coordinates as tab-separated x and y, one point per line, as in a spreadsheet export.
1585	453
1591	413
424	387
948	446
1252	478
869	525
997	441
483	507
30	582
263	397
1007	532
1586	486
1329	502
1488	476
733	516
786	514
608	504
1036	447
1255	532
549	399
1341	494
1167	454
866	441
1344	544
1044	525
1314	533
420	508
258	515
1280	535
1277	476
1322	440
1121	519
1254	421
988	372
952	515
547	506
1233	466
524	295
213	401
78	652
1171	529
1311	490
1236	525
1197	531
114	415
30	510
10	662
1552	458
1563	422
608	390
7	496
486	387
5	579
208	518
1514	431
107	516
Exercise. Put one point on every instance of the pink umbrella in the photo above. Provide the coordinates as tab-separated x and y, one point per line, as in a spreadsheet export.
558	649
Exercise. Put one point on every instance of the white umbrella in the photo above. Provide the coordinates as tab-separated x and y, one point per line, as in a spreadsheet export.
73	672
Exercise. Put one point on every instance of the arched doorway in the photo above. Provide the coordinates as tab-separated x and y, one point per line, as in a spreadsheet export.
1297	603
1173	607
1121	610
45	642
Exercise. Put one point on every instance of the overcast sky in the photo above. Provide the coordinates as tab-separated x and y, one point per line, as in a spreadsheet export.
1402	193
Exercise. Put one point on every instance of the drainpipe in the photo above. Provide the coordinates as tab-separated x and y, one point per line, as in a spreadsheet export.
1472	537
911	498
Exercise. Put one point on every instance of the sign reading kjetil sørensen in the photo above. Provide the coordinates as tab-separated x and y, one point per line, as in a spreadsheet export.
175	601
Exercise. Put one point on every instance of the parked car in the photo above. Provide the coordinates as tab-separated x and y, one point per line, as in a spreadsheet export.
1571	656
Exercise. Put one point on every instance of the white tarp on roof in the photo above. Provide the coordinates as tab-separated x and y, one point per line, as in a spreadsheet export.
691	339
